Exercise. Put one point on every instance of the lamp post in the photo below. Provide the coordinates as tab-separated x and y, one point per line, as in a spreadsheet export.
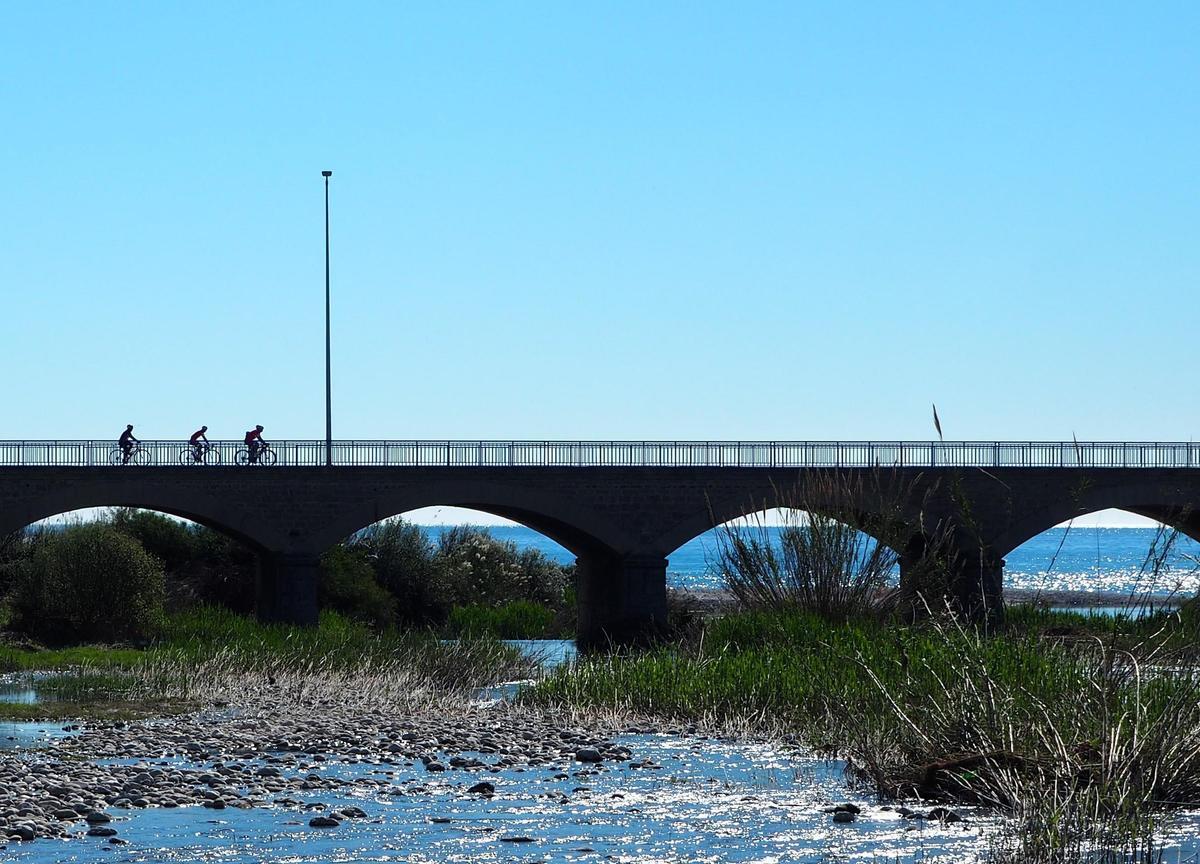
328	375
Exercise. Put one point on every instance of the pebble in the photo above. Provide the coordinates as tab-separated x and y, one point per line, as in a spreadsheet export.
268	754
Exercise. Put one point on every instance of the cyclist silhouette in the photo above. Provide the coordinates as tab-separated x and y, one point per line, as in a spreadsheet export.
255	443
194	441
126	442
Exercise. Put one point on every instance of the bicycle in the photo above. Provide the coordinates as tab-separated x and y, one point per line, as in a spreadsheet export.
137	456
204	453
266	456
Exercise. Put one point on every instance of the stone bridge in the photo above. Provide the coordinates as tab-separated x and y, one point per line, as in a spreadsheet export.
622	521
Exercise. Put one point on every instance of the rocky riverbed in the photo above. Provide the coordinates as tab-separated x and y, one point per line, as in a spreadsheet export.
513	776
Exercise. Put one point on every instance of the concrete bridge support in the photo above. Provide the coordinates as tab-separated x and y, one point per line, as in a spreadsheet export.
973	583
622	599
286	592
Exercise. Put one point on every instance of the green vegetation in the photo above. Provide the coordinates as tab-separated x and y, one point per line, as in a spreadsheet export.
1079	739
348	586
390	575
517	620
87	583
208	652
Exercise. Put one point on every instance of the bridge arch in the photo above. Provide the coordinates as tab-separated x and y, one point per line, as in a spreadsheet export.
728	508
1172	506
570	523
201	509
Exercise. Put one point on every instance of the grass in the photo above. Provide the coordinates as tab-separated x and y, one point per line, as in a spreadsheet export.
208	654
516	620
1085	738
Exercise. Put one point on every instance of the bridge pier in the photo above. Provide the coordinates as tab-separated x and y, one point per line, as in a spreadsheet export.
286	592
974	585
622	599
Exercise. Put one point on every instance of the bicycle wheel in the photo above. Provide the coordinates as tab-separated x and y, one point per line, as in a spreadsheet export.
116	456
186	457
212	456
141	457
266	457
242	457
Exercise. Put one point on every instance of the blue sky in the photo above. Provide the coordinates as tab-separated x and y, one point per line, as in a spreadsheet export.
618	220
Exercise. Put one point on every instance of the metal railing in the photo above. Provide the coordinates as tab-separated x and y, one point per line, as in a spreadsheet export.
648	454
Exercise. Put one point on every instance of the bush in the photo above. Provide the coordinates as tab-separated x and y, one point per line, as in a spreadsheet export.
404	563
87	582
348	586
481	568
832	556
174	543
517	620
204	566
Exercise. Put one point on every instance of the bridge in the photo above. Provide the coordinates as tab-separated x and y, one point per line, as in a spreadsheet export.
622	507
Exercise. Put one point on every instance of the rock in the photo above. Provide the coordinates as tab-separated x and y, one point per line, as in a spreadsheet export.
516	839
101	831
844	816
22	832
353	812
323	822
435	766
944	815
97	817
587	754
484	788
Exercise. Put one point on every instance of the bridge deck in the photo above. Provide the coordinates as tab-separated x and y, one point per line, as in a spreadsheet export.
630	454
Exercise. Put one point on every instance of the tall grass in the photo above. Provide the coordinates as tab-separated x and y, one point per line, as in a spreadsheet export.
836	553
1087	742
210	653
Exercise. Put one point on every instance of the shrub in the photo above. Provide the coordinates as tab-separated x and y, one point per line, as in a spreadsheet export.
835	554
171	541
481	568
404	563
348	586
519	619
204	566
87	582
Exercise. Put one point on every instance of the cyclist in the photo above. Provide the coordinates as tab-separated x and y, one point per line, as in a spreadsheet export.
194	442
255	443
127	442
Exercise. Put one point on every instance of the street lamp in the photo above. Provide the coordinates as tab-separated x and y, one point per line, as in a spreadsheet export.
328	376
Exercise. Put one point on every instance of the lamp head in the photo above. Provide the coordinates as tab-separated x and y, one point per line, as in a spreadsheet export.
326	173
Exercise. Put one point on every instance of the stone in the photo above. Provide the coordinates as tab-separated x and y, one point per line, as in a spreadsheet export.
945	815
483	788
323	822
101	831
844	816
588	754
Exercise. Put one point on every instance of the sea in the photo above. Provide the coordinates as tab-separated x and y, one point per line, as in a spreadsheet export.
1129	561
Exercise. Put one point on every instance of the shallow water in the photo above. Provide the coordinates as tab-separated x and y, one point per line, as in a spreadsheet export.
26	736
709	802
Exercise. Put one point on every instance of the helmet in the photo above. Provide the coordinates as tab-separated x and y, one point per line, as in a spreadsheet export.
259	427
129	426
203	428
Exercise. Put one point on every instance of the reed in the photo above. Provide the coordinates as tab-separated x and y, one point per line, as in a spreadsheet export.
1086	743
